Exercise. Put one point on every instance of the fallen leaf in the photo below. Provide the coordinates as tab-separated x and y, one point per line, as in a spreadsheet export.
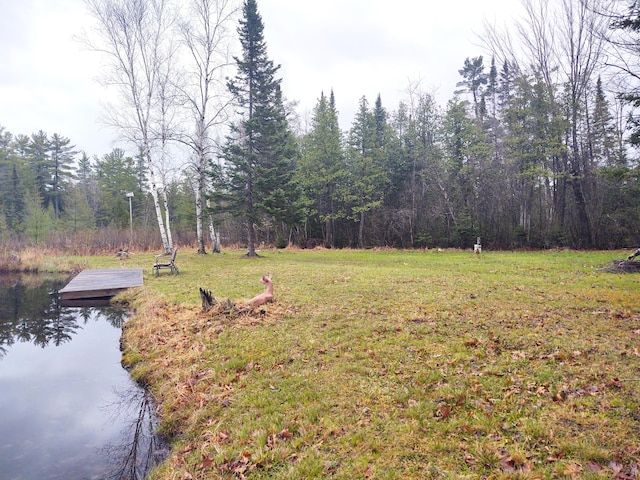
594	467
207	461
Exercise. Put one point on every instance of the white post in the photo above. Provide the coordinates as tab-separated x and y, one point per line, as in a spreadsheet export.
130	196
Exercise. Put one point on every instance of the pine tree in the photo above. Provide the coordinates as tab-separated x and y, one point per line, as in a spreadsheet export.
62	155
602	138
40	165
115	175
366	165
259	155
84	170
474	79
321	171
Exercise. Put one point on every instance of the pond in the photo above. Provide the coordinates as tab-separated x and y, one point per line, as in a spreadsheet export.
68	410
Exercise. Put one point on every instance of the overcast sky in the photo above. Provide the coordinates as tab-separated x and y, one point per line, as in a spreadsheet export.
355	47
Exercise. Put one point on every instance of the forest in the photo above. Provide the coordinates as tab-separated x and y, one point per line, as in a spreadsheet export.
537	149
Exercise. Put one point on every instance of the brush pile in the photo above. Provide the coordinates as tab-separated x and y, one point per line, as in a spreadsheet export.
623	266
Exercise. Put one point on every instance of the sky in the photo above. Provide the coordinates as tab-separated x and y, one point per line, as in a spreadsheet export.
355	47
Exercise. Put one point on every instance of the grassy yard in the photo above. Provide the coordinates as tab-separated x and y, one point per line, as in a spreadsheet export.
393	365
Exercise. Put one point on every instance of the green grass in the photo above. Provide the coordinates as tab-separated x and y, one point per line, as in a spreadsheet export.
393	364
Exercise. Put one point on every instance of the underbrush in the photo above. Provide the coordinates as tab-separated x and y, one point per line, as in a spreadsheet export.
389	364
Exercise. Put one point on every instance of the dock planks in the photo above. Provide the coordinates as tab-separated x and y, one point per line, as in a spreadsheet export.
104	283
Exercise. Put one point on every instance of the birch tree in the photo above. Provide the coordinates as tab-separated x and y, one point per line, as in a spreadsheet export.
206	36
134	37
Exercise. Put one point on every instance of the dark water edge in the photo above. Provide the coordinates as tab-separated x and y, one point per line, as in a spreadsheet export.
68	410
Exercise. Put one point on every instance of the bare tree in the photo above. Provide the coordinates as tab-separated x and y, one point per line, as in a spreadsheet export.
582	55
560	42
134	38
206	34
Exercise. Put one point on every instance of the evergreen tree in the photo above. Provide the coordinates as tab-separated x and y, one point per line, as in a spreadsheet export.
5	169
40	164
322	171
15	202
505	85
463	144
602	135
79	215
84	170
474	79
62	157
115	175
365	161
260	152
38	219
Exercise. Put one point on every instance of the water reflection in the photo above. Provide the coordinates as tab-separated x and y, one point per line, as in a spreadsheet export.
139	450
29	314
67	408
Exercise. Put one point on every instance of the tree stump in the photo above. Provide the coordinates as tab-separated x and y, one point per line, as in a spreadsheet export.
207	300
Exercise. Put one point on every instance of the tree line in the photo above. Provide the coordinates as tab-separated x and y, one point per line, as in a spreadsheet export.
537	148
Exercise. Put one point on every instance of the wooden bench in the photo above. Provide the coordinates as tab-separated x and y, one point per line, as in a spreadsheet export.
166	260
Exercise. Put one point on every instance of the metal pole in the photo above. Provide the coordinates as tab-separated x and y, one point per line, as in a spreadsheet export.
130	196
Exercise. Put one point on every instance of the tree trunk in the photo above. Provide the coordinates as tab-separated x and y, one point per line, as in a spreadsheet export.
166	244
167	224
251	239
199	216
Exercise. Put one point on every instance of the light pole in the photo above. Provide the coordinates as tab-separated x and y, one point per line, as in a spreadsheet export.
130	196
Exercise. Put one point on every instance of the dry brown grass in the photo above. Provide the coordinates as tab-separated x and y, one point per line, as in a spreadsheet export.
39	260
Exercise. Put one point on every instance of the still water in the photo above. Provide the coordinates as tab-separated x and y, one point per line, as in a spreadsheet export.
68	410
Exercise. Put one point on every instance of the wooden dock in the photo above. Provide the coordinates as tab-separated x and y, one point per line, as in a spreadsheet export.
93	284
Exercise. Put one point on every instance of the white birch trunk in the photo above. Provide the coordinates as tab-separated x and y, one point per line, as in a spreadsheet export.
155	194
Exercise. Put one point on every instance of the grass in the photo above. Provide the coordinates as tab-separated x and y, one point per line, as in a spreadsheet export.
392	365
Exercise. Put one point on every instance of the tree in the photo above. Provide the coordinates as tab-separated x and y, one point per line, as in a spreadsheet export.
62	157
115	175
602	135
465	151
563	43
205	36
365	161
321	171
11	184
135	38
258	153
40	165
474	79
38	219
624	38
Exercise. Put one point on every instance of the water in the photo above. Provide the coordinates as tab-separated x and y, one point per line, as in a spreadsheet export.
68	410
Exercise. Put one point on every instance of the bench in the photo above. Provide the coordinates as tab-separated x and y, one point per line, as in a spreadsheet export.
166	260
